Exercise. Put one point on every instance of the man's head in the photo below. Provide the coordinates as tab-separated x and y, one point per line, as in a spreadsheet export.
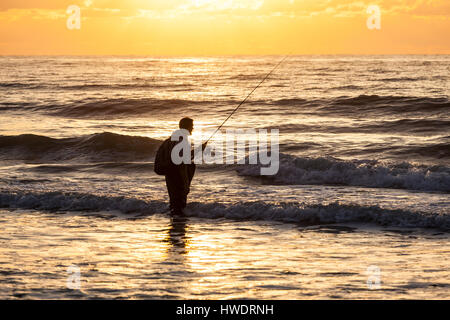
188	124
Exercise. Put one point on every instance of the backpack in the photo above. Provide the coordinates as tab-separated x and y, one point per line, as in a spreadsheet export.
162	159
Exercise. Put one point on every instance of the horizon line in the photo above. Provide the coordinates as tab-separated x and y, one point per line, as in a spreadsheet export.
223	55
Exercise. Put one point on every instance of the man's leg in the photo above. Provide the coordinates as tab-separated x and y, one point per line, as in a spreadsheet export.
176	194
190	171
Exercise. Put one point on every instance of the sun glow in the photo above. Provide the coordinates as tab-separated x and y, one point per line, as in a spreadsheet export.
222	27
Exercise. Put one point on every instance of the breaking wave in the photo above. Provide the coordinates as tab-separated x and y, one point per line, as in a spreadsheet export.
365	173
289	212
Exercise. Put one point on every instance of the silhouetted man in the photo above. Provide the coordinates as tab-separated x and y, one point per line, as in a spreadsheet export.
178	176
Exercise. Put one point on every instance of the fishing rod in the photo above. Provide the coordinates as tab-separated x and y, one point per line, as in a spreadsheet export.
246	98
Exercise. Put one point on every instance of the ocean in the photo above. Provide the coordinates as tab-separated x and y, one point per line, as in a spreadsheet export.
359	208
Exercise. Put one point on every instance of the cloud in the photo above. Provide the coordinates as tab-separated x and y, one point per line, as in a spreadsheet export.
203	9
34	4
34	14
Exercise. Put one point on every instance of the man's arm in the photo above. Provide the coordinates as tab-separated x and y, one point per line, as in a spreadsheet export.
203	149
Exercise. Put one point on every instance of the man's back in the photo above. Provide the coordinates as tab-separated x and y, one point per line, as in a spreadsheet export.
178	176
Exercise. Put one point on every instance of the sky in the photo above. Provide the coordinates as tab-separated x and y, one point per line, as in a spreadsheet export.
223	27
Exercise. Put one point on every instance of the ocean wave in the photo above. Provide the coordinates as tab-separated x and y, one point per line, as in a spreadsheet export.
294	102
408	125
253	76
117	107
363	104
289	212
368	173
419	126
437	151
131	86
366	104
111	108
143	84
61	201
359	106
401	79
117	166
20	85
104	146
348	87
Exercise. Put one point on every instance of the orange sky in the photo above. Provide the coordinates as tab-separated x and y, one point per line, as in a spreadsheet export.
222	27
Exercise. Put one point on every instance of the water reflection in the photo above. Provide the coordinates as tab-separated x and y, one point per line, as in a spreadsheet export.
177	236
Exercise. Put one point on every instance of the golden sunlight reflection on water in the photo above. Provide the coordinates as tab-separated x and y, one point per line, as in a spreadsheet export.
159	257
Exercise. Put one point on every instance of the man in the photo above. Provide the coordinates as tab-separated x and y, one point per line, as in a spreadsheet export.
178	176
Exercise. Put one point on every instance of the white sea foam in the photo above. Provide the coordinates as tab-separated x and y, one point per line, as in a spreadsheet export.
371	173
289	212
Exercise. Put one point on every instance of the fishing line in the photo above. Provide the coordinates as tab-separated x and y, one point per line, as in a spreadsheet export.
243	101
